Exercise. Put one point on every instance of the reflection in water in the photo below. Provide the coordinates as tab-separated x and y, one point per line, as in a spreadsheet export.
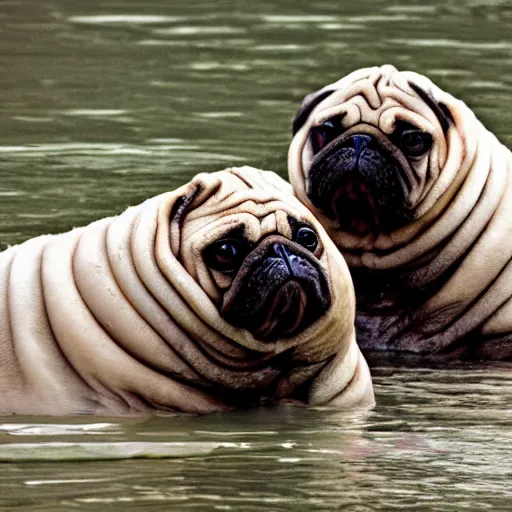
107	103
436	441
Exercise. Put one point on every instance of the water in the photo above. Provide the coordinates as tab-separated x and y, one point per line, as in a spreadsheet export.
437	441
107	103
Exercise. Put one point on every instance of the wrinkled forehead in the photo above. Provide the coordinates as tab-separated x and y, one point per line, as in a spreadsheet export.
253	213
379	96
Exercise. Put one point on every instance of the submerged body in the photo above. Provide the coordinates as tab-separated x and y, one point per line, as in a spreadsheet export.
225	293
417	195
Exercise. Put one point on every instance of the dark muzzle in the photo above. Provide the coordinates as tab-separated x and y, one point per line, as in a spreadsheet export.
280	290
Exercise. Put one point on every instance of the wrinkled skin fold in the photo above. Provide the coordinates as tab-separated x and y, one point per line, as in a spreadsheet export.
128	315
416	193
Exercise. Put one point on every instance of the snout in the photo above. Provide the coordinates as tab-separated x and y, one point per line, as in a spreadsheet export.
358	182
280	290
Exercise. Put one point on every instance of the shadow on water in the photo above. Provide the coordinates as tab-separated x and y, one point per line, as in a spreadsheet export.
104	104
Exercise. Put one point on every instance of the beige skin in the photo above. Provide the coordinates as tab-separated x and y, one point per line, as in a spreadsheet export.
439	286
122	316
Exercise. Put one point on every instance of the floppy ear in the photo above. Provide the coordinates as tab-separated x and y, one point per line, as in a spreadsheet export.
309	102
441	111
178	212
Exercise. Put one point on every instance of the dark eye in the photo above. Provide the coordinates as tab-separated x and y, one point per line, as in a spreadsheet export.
307	238
225	255
325	133
415	142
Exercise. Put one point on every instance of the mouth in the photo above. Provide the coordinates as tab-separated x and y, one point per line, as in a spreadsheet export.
360	185
353	206
283	314
278	294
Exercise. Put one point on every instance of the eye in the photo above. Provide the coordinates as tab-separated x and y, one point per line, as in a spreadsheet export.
325	133
307	238
415	142
225	255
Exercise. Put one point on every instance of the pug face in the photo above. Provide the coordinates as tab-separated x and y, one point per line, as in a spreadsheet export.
370	154
261	265
279	288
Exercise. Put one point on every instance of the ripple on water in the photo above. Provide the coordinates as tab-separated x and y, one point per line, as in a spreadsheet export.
486	84
341	26
454	43
57	429
94	112
411	8
220	115
450	72
280	47
33	119
55	451
199	30
383	18
12	193
98	149
131	19
209	66
297	18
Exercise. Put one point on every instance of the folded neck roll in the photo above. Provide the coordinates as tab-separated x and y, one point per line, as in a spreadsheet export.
224	293
417	195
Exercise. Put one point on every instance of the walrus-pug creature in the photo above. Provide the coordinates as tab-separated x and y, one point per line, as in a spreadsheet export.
417	194
225	293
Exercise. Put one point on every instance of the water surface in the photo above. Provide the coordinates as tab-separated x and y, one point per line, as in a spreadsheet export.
107	103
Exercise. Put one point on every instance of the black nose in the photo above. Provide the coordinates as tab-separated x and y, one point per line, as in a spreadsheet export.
277	250
280	295
359	143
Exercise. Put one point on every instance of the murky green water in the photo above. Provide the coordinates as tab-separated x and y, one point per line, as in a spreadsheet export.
106	103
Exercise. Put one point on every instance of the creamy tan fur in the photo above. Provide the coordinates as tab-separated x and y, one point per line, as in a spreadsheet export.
459	243
122	316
